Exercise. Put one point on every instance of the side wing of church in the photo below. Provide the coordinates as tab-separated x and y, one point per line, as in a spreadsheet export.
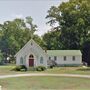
32	55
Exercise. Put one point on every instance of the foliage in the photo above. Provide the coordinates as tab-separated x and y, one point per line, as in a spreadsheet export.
51	40
51	66
32	27
86	53
15	34
20	68
72	19
1	56
40	68
39	40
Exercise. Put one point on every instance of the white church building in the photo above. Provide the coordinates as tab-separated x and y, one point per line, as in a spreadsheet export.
32	55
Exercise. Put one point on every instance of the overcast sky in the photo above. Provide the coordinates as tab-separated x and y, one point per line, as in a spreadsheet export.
37	9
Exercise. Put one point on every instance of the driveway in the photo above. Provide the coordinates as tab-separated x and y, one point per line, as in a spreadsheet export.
43	74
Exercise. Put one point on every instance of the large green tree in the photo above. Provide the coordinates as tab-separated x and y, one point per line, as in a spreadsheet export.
72	18
15	34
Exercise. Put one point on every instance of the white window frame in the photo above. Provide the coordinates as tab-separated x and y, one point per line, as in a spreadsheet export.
21	60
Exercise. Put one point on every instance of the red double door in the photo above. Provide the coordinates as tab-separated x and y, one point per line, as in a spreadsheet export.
31	62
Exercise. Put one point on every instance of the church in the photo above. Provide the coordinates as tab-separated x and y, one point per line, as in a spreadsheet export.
32	55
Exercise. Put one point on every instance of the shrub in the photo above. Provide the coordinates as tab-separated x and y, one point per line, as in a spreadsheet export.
23	70
51	66
20	68
40	68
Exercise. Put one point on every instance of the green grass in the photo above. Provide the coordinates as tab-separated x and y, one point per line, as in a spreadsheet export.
45	83
69	70
5	70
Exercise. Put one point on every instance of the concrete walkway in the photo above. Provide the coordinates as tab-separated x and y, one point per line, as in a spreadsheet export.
43	74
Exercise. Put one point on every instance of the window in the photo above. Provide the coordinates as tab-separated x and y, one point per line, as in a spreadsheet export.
49	58
73	58
55	58
24	59
64	58
41	60
31	56
21	60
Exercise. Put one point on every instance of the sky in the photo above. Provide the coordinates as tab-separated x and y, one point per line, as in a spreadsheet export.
37	9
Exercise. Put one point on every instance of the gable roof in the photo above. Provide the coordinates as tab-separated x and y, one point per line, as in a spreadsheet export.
28	43
64	52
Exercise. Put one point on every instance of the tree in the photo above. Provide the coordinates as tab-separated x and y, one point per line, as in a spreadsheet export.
73	20
38	40
51	40
86	53
14	35
32	26
1	57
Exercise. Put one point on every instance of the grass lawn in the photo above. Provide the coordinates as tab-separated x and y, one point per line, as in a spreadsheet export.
69	70
4	70
45	83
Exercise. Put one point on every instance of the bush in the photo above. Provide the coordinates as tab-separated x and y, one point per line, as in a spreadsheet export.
20	68
23	70
51	66
40	68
